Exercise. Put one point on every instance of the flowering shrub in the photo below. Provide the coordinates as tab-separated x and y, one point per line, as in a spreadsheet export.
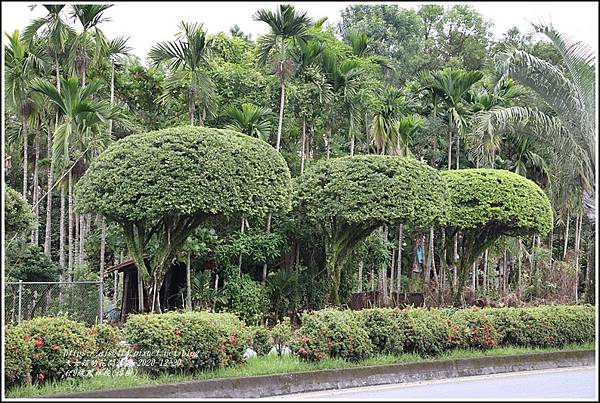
17	356
187	341
429	332
107	338
544	326
475	328
385	328
59	345
333	333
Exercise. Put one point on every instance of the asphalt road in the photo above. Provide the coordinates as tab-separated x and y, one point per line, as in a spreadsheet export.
567	383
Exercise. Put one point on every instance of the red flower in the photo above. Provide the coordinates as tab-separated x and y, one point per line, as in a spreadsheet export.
177	332
41	376
39	342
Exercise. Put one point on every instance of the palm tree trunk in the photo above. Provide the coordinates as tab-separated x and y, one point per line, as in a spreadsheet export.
188	281
281	107
361	266
328	139
82	235
455	261
566	236
351	135
48	229
62	228
449	150
485	271
384	267
70	224
399	259
112	94
25	135
431	256
192	110
102	244
457	151
303	148
519	257
36	231
367	133
267	232
577	244
393	269
504	270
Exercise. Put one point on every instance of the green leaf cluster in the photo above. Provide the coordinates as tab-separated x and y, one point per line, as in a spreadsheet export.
513	204
371	189
185	170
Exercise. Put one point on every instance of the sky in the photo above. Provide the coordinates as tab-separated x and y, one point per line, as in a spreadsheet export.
151	22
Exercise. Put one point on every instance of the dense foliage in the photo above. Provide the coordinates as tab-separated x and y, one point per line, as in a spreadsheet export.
484	204
170	181
194	340
508	203
18	218
430	81
348	198
177	342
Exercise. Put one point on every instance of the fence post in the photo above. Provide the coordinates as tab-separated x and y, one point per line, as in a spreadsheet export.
101	296
20	292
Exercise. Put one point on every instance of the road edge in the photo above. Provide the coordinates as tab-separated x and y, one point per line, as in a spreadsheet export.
313	381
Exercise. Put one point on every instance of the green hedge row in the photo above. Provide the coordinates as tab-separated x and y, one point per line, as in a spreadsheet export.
50	348
356	335
197	341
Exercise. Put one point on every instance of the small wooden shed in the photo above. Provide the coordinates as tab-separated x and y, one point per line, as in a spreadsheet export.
170	292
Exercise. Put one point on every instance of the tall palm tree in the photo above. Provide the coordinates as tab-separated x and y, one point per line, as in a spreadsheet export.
188	59
344	77
22	62
252	120
570	95
451	86
56	33
82	125
91	40
390	107
288	29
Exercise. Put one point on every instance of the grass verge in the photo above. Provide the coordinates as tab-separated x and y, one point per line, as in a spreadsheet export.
260	366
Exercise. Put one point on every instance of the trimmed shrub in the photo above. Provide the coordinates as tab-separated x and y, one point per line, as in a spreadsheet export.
18	349
575	324
476	328
260	340
59	345
428	331
107	338
355	195
193	340
333	333
545	326
384	329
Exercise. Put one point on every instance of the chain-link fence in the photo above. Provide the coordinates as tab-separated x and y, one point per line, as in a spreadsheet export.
79	300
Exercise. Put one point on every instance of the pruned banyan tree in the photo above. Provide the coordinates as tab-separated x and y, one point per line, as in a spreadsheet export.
347	198
160	186
484	204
